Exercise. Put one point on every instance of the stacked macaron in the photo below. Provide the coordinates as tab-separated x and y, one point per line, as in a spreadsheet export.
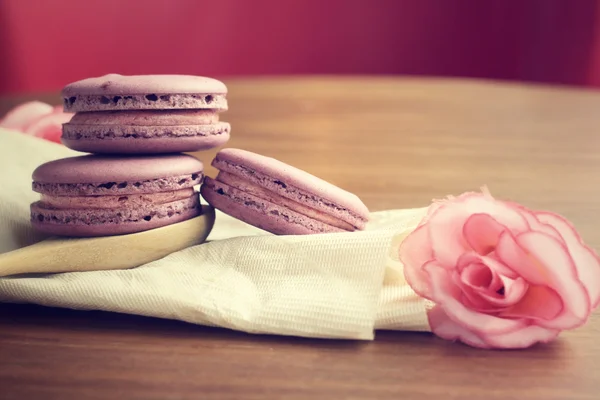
136	178
103	195
145	114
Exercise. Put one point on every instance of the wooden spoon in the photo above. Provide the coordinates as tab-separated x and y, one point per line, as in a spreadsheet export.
109	252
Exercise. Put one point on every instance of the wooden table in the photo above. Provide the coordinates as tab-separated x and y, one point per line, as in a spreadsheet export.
395	143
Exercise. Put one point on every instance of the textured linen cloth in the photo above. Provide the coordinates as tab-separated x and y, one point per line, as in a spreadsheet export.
344	285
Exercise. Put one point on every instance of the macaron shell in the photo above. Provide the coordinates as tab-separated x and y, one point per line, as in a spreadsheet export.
261	213
293	183
97	169
117	84
109	188
144	92
107	223
104	139
148	146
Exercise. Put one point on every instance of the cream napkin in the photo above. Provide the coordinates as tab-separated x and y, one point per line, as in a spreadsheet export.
327	286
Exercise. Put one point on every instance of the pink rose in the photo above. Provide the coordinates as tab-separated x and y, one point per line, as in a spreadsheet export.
500	275
37	119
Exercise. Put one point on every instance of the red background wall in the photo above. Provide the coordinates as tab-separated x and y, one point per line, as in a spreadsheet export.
45	44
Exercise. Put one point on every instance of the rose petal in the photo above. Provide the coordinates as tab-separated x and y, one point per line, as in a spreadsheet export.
480	276
482	232
473	301
534	223
470	297
447	329
522	338
542	260
473	285
538	226
414	252
447	295
539	302
491	303
48	127
446	224
444	327
491	261
514	290
21	116
488	298
445	235
586	260
430	211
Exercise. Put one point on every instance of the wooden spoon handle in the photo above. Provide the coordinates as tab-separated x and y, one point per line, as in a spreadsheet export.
110	252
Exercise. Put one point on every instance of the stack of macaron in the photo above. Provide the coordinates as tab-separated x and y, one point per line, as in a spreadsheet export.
136	177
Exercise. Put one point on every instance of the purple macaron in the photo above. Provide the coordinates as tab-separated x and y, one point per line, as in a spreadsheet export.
279	198
96	195
145	114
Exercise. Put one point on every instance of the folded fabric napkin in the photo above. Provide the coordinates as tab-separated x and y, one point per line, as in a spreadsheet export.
488	273
328	286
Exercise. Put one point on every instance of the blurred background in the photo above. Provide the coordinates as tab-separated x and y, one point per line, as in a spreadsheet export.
45	44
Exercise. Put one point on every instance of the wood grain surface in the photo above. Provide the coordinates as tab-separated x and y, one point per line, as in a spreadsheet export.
396	143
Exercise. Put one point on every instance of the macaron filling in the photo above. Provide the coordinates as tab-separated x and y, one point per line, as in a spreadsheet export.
240	184
146	124
146	117
113	202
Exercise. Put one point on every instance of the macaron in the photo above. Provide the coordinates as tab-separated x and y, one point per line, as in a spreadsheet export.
278	198
145	114
101	195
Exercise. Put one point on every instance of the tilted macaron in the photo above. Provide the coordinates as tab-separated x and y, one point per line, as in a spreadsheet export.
145	114
279	198
109	195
